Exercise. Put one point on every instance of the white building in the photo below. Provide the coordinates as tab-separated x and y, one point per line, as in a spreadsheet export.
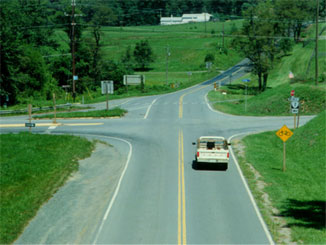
186	18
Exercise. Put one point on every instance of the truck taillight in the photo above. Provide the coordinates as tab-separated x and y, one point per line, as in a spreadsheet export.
228	155
197	153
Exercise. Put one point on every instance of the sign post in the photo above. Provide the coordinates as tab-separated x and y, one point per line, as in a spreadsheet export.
246	81
107	87
30	117
284	134
295	105
55	109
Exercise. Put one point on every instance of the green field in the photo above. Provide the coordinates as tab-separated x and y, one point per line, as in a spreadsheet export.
299	192
33	167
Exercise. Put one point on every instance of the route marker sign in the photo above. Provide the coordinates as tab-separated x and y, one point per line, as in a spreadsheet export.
284	133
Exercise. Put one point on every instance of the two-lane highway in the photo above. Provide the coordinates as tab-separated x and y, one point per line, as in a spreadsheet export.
162	199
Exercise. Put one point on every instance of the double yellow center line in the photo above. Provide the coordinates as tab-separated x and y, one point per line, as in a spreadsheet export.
182	96
182	229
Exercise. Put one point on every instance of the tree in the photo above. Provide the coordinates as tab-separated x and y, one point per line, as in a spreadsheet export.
292	14
143	54
260	43
127	61
102	16
25	38
209	58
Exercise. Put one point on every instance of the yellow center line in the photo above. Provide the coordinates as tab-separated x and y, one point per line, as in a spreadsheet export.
182	229
182	96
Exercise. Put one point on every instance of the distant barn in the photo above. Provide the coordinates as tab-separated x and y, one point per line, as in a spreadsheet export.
186	18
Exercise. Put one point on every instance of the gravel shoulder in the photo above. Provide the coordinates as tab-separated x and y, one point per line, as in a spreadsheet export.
73	214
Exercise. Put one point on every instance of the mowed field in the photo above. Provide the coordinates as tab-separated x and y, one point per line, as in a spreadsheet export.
186	44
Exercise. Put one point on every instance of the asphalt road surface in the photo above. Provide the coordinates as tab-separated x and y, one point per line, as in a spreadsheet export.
160	197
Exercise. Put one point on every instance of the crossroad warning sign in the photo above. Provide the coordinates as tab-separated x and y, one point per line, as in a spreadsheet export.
284	133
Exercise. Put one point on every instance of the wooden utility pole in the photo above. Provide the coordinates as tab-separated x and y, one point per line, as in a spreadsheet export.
223	33
316	52
73	4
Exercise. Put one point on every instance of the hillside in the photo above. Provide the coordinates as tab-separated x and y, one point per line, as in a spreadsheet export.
274	100
299	193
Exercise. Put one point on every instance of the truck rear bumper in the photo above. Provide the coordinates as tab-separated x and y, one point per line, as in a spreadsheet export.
203	160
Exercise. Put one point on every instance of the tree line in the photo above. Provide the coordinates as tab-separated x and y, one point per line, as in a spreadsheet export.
34	63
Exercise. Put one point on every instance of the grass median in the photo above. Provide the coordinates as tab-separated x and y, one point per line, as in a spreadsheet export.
116	112
298	194
32	168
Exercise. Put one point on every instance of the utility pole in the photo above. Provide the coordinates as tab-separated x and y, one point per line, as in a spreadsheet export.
167	63
223	32
73	4
316	52
72	39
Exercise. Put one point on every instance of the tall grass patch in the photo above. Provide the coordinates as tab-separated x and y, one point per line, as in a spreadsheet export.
32	169
298	193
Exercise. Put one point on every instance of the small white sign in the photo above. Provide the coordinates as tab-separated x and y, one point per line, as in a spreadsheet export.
295	111
75	78
294	99
107	87
133	79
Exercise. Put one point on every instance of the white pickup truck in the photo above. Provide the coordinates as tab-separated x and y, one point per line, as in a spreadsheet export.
213	150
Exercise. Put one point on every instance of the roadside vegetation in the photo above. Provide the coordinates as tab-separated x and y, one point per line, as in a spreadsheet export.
116	112
33	167
231	98
298	194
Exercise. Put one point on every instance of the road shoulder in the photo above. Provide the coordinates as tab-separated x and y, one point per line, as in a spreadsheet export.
73	214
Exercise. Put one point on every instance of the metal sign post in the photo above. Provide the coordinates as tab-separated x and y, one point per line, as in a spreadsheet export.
246	81
55	109
107	96
284	134
295	105
30	116
107	88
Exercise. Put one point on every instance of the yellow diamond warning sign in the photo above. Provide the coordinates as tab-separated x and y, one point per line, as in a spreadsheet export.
284	133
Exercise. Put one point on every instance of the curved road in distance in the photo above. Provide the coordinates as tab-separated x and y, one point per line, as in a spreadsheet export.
162	198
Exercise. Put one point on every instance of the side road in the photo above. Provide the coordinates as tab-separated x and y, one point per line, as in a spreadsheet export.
72	215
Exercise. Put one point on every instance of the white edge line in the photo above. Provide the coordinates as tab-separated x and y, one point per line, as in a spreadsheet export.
149	108
118	185
117	188
269	237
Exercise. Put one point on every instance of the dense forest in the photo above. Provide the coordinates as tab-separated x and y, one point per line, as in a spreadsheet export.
28	42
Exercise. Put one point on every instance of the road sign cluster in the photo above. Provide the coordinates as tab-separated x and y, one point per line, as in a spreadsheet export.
295	104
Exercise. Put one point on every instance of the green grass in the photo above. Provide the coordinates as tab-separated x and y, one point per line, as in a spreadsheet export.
71	108
116	112
273	102
33	167
299	192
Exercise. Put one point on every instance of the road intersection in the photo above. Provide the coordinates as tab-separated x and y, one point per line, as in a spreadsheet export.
160	197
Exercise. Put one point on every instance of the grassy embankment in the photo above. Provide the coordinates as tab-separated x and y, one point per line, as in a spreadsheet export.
116	112
32	168
274	101
299	193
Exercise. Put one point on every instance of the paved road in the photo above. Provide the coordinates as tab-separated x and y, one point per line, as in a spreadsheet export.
162	198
